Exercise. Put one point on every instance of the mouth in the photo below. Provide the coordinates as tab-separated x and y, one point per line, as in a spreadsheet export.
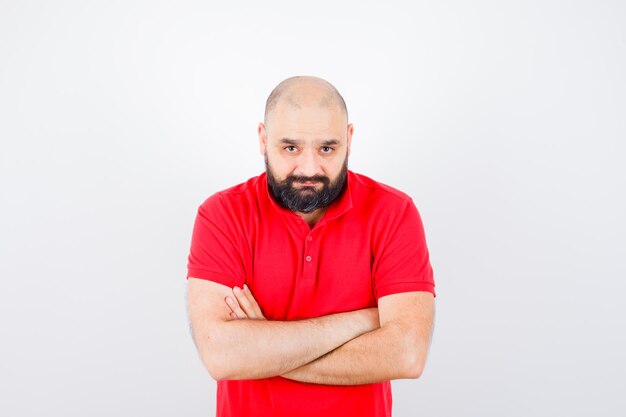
308	183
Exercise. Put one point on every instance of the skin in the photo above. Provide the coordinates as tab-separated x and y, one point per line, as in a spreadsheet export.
296	138
379	355
364	346
271	348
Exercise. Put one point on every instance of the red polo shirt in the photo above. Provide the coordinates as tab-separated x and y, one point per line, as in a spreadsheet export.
369	243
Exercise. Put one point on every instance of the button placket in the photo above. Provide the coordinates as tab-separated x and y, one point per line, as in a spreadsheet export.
309	265
307	248
310	255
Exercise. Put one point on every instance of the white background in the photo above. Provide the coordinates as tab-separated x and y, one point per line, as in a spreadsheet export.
504	120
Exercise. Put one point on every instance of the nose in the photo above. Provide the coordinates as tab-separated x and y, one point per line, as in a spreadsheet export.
309	164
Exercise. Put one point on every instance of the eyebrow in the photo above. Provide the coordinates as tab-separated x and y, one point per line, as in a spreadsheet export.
324	142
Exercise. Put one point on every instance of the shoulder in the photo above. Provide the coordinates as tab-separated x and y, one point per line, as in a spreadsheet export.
234	200
370	192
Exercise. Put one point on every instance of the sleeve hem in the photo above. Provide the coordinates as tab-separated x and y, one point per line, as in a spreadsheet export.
405	287
213	276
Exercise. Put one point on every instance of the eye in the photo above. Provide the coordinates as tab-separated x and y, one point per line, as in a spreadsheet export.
290	149
326	149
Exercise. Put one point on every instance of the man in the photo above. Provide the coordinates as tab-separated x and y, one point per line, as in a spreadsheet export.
309	286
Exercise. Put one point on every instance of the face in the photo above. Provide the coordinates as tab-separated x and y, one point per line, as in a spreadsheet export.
306	152
301	194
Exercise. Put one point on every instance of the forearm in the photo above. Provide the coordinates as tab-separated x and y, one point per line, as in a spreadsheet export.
379	355
253	349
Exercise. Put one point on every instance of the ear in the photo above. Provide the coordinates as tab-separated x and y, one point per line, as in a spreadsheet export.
262	138
350	132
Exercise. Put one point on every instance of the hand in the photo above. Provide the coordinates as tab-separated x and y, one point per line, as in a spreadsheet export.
243	305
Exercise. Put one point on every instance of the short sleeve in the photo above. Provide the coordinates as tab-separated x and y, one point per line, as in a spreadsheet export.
214	253
403	263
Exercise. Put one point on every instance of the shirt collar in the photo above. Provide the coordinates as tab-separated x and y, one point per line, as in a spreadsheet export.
340	206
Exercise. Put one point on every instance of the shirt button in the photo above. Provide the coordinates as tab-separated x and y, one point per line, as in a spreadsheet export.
309	238
308	259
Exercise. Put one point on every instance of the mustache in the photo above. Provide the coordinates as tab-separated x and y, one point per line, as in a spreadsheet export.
300	178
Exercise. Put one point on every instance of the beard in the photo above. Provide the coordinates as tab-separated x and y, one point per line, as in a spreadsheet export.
306	199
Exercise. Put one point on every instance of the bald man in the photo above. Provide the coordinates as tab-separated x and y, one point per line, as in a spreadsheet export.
309	286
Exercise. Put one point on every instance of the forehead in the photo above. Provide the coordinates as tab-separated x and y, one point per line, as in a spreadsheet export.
307	121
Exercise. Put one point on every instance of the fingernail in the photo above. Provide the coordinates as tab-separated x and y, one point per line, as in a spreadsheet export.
229	300
245	286
236	289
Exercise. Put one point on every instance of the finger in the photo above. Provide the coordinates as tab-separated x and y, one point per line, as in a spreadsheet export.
233	316
230	306
253	303
245	303
234	306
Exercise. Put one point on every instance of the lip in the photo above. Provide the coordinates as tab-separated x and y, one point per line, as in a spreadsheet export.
309	183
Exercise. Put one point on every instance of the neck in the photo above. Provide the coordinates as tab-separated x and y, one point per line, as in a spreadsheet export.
313	217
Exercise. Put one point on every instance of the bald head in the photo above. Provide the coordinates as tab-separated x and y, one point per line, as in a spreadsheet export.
302	91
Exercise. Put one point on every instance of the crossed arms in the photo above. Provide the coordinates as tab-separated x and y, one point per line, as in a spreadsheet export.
356	347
